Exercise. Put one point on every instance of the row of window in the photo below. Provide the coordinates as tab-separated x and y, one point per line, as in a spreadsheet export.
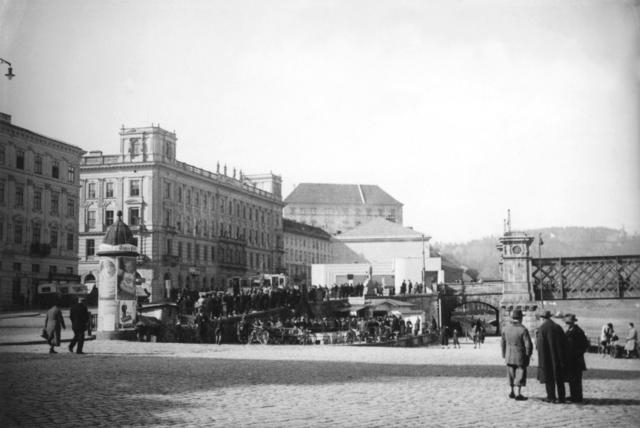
381	212
54	200
306	257
20	163
35	268
133	217
304	242
240	209
19	232
91	191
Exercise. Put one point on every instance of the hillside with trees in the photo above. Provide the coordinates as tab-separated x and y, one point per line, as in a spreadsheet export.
481	257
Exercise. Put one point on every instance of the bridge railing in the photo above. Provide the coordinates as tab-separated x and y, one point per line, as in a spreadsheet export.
586	277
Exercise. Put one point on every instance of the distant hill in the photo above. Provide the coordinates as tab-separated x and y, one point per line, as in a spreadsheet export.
482	256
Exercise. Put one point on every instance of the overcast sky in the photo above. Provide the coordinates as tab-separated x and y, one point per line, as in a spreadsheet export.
458	109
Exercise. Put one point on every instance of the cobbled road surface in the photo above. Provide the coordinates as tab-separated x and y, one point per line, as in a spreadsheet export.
159	384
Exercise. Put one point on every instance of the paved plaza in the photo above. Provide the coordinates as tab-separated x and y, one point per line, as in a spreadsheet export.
160	384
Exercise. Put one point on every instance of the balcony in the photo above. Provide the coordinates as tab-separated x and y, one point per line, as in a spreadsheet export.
40	250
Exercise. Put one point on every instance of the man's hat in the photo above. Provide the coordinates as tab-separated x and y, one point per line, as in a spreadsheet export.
546	314
517	314
570	318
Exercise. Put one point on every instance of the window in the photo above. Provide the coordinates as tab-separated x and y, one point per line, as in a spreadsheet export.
1	235
196	198
213	254
108	191
108	217
35	268
91	191
134	188
55	199
20	159
1	191
70	270
2	155
35	234
180	194
55	169
17	267
70	241
53	241
167	218
71	174
37	165
53	269
169	246
91	247
19	196
188	197
180	250
71	208
188	250
134	147
134	216
197	251
17	233
91	219
167	190
37	199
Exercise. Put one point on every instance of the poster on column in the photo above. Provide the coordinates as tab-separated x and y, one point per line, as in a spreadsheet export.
126	313
126	278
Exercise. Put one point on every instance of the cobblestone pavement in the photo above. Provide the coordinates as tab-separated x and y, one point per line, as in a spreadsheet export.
158	384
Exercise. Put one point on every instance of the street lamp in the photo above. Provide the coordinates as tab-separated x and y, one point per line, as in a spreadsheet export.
10	71
540	283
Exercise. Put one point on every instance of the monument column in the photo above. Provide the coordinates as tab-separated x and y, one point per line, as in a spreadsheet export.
117	301
517	292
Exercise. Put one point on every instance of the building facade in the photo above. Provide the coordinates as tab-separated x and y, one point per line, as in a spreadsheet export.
195	229
338	208
39	203
304	246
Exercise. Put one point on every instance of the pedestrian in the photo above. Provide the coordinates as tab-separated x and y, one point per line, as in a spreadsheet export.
605	338
53	322
444	337
416	328
516	350
79	315
577	345
456	342
552	356
632	340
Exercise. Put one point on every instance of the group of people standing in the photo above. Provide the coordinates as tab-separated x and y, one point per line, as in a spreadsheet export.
610	342
560	356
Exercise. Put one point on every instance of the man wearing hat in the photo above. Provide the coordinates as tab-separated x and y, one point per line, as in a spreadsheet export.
577	345
552	358
79	315
516	350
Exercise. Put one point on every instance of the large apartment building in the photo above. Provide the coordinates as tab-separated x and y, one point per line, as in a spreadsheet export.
39	190
196	229
338	208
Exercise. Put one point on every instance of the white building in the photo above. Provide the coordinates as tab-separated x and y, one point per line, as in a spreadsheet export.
196	229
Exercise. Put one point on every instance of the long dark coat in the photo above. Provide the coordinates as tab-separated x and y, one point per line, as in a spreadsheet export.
516	345
53	323
79	315
577	345
552	352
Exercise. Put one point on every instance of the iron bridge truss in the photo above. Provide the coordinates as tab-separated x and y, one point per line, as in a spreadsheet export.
586	277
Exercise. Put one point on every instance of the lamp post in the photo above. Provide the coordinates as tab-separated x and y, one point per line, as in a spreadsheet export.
9	74
424	268
540	284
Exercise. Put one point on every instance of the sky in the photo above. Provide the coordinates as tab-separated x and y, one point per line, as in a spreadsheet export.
459	109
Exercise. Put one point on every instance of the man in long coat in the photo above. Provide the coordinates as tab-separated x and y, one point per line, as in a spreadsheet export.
577	345
552	358
53	322
516	350
79	315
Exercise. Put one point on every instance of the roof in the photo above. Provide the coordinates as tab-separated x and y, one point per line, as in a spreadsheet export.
291	226
340	194
381	228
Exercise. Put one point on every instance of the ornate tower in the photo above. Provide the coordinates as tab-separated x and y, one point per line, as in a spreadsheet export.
515	265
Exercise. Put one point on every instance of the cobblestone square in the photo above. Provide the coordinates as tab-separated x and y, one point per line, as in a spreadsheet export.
161	384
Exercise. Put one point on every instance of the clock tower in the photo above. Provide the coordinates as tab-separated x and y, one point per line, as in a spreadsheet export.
515	266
